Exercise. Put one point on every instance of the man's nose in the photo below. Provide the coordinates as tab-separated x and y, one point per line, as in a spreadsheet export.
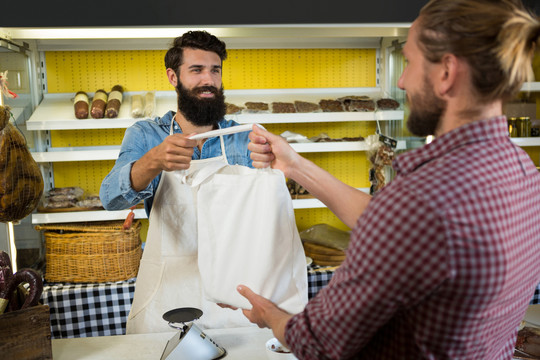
207	79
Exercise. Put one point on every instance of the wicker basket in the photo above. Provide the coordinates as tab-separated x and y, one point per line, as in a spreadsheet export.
91	252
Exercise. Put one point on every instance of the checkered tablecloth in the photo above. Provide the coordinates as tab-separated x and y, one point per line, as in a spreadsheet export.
84	310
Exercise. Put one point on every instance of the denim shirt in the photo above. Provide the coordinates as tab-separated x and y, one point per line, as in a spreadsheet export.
116	192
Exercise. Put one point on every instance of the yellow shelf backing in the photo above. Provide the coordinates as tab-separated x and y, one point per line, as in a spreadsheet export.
144	70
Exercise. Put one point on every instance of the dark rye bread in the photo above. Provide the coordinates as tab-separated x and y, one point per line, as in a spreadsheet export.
283	108
387	104
361	105
306	107
357	103
256	106
233	109
331	105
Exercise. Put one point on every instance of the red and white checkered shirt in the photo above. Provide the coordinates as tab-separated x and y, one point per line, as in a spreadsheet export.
443	262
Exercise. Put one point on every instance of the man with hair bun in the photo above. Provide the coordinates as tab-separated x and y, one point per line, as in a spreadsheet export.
444	260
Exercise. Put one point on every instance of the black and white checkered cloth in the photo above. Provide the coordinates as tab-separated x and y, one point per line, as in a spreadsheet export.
84	310
536	297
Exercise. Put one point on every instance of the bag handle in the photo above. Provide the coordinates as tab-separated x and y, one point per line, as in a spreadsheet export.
199	176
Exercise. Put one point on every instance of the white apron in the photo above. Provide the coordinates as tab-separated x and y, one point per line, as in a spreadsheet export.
169	275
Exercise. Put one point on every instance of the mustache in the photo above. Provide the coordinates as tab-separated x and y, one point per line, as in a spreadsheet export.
201	89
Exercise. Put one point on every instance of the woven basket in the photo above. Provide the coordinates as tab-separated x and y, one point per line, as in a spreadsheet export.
91	252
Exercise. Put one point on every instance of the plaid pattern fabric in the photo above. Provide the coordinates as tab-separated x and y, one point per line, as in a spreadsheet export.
85	310
441	264
318	278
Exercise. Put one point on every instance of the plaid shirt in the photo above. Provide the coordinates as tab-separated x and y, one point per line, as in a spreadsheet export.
443	262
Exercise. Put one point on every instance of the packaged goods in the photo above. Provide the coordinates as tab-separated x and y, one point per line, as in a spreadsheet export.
99	102
81	105
306	106
283	108
137	109
114	101
387	104
233	109
328	105
256	107
149	104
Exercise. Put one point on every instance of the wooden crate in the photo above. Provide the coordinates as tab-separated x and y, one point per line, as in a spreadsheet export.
26	334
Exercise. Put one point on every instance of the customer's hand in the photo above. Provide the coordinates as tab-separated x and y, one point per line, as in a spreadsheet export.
272	150
265	313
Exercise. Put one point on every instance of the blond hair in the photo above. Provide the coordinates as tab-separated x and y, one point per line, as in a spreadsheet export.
497	38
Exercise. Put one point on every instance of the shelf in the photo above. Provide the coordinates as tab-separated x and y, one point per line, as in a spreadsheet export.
315	203
111	152
526	141
77	154
531	86
269	36
337	146
56	110
104	215
82	216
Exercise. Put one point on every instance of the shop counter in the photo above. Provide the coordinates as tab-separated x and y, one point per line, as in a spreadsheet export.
101	309
240	344
87	310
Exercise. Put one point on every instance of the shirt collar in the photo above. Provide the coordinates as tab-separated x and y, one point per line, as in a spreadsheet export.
166	119
489	129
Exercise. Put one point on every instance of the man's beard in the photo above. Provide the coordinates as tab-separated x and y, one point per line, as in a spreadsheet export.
426	111
201	111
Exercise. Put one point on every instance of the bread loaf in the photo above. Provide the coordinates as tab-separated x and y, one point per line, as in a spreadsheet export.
233	109
81	105
136	106
328	105
283	107
99	102
149	104
305	106
255	107
114	101
21	183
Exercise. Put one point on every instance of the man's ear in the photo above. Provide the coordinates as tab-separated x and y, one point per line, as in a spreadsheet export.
171	75
447	74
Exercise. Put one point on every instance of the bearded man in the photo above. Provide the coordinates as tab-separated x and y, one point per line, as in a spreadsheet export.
154	156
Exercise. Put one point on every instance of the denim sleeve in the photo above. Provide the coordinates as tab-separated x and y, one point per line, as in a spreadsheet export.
116	192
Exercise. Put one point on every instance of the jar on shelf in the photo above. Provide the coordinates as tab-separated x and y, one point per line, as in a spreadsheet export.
524	126
512	127
535	128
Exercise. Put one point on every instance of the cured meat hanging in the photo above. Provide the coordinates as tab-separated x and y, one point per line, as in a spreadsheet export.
21	183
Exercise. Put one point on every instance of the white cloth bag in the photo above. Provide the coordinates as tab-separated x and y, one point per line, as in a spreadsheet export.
247	235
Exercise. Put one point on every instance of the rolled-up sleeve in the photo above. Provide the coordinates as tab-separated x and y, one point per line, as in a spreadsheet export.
116	192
